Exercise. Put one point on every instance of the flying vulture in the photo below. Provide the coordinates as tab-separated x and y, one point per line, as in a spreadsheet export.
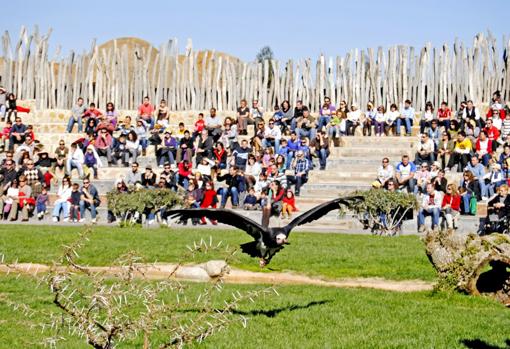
267	241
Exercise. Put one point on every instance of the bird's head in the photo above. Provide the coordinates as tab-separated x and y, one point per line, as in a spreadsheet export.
281	239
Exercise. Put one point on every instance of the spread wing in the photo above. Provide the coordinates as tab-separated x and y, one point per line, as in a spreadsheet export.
223	216
319	211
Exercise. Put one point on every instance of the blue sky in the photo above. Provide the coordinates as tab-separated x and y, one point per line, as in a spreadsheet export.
293	29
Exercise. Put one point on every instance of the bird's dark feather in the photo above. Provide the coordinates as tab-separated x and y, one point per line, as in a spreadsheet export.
223	216
319	211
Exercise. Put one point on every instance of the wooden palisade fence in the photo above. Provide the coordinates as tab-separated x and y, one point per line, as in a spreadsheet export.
200	80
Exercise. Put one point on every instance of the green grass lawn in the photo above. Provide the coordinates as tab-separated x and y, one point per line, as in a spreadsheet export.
314	317
329	255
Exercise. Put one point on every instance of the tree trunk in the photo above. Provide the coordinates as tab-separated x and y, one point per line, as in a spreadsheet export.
471	263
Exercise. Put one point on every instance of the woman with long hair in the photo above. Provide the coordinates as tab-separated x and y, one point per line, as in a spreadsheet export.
209	200
451	205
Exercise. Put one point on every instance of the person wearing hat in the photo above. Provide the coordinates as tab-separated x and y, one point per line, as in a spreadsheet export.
301	168
44	160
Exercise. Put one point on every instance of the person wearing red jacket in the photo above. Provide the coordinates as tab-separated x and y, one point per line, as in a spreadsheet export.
483	148
451	206
289	204
210	200
443	115
491	130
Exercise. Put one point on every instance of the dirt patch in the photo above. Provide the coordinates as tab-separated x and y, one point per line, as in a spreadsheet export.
237	276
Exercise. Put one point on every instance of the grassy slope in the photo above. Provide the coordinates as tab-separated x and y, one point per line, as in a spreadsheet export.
315	317
330	255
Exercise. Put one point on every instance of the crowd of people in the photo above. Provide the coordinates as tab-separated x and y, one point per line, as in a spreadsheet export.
256	162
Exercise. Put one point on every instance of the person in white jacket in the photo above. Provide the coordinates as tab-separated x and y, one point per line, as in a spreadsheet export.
430	206
62	202
75	159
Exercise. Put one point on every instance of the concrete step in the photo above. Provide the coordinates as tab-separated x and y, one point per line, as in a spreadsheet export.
348	141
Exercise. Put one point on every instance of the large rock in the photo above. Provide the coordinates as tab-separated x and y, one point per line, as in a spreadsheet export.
194	273
215	268
471	263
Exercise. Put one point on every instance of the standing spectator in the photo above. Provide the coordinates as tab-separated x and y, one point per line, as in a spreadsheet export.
146	111
75	160
74	203
213	124
443	115
325	113
405	171
76	116
407	117
89	200
209	200
18	133
62	202
430	206
301	168
461	153
243	114
451	206
424	150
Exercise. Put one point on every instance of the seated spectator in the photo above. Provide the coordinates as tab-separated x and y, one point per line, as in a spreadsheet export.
89	200
406	117
301	168
288	204
494	179
471	113
445	149
8	199
241	154
229	135
333	127
440	182
405	171
380	121
385	172
185	150
272	136
505	126
149	178
168	177
422	177
430	206
91	125
220	157
134	176
75	160
500	204
18	134
3	103
251	201
443	115
141	133
434	133
461	153
204	146
306	126
74	203
34	177
120	151
11	107
424	150
256	114
91	161
243	114
234	186
41	203
492	133
451	206
77	113
368	119
92	112
184	173
427	117
162	113
470	193
199	126
391	117
213	124
483	148
104	144
104	123
146	111
257	139
496	115
62	202
4	136
478	170
325	113
132	148
353	120
319	146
